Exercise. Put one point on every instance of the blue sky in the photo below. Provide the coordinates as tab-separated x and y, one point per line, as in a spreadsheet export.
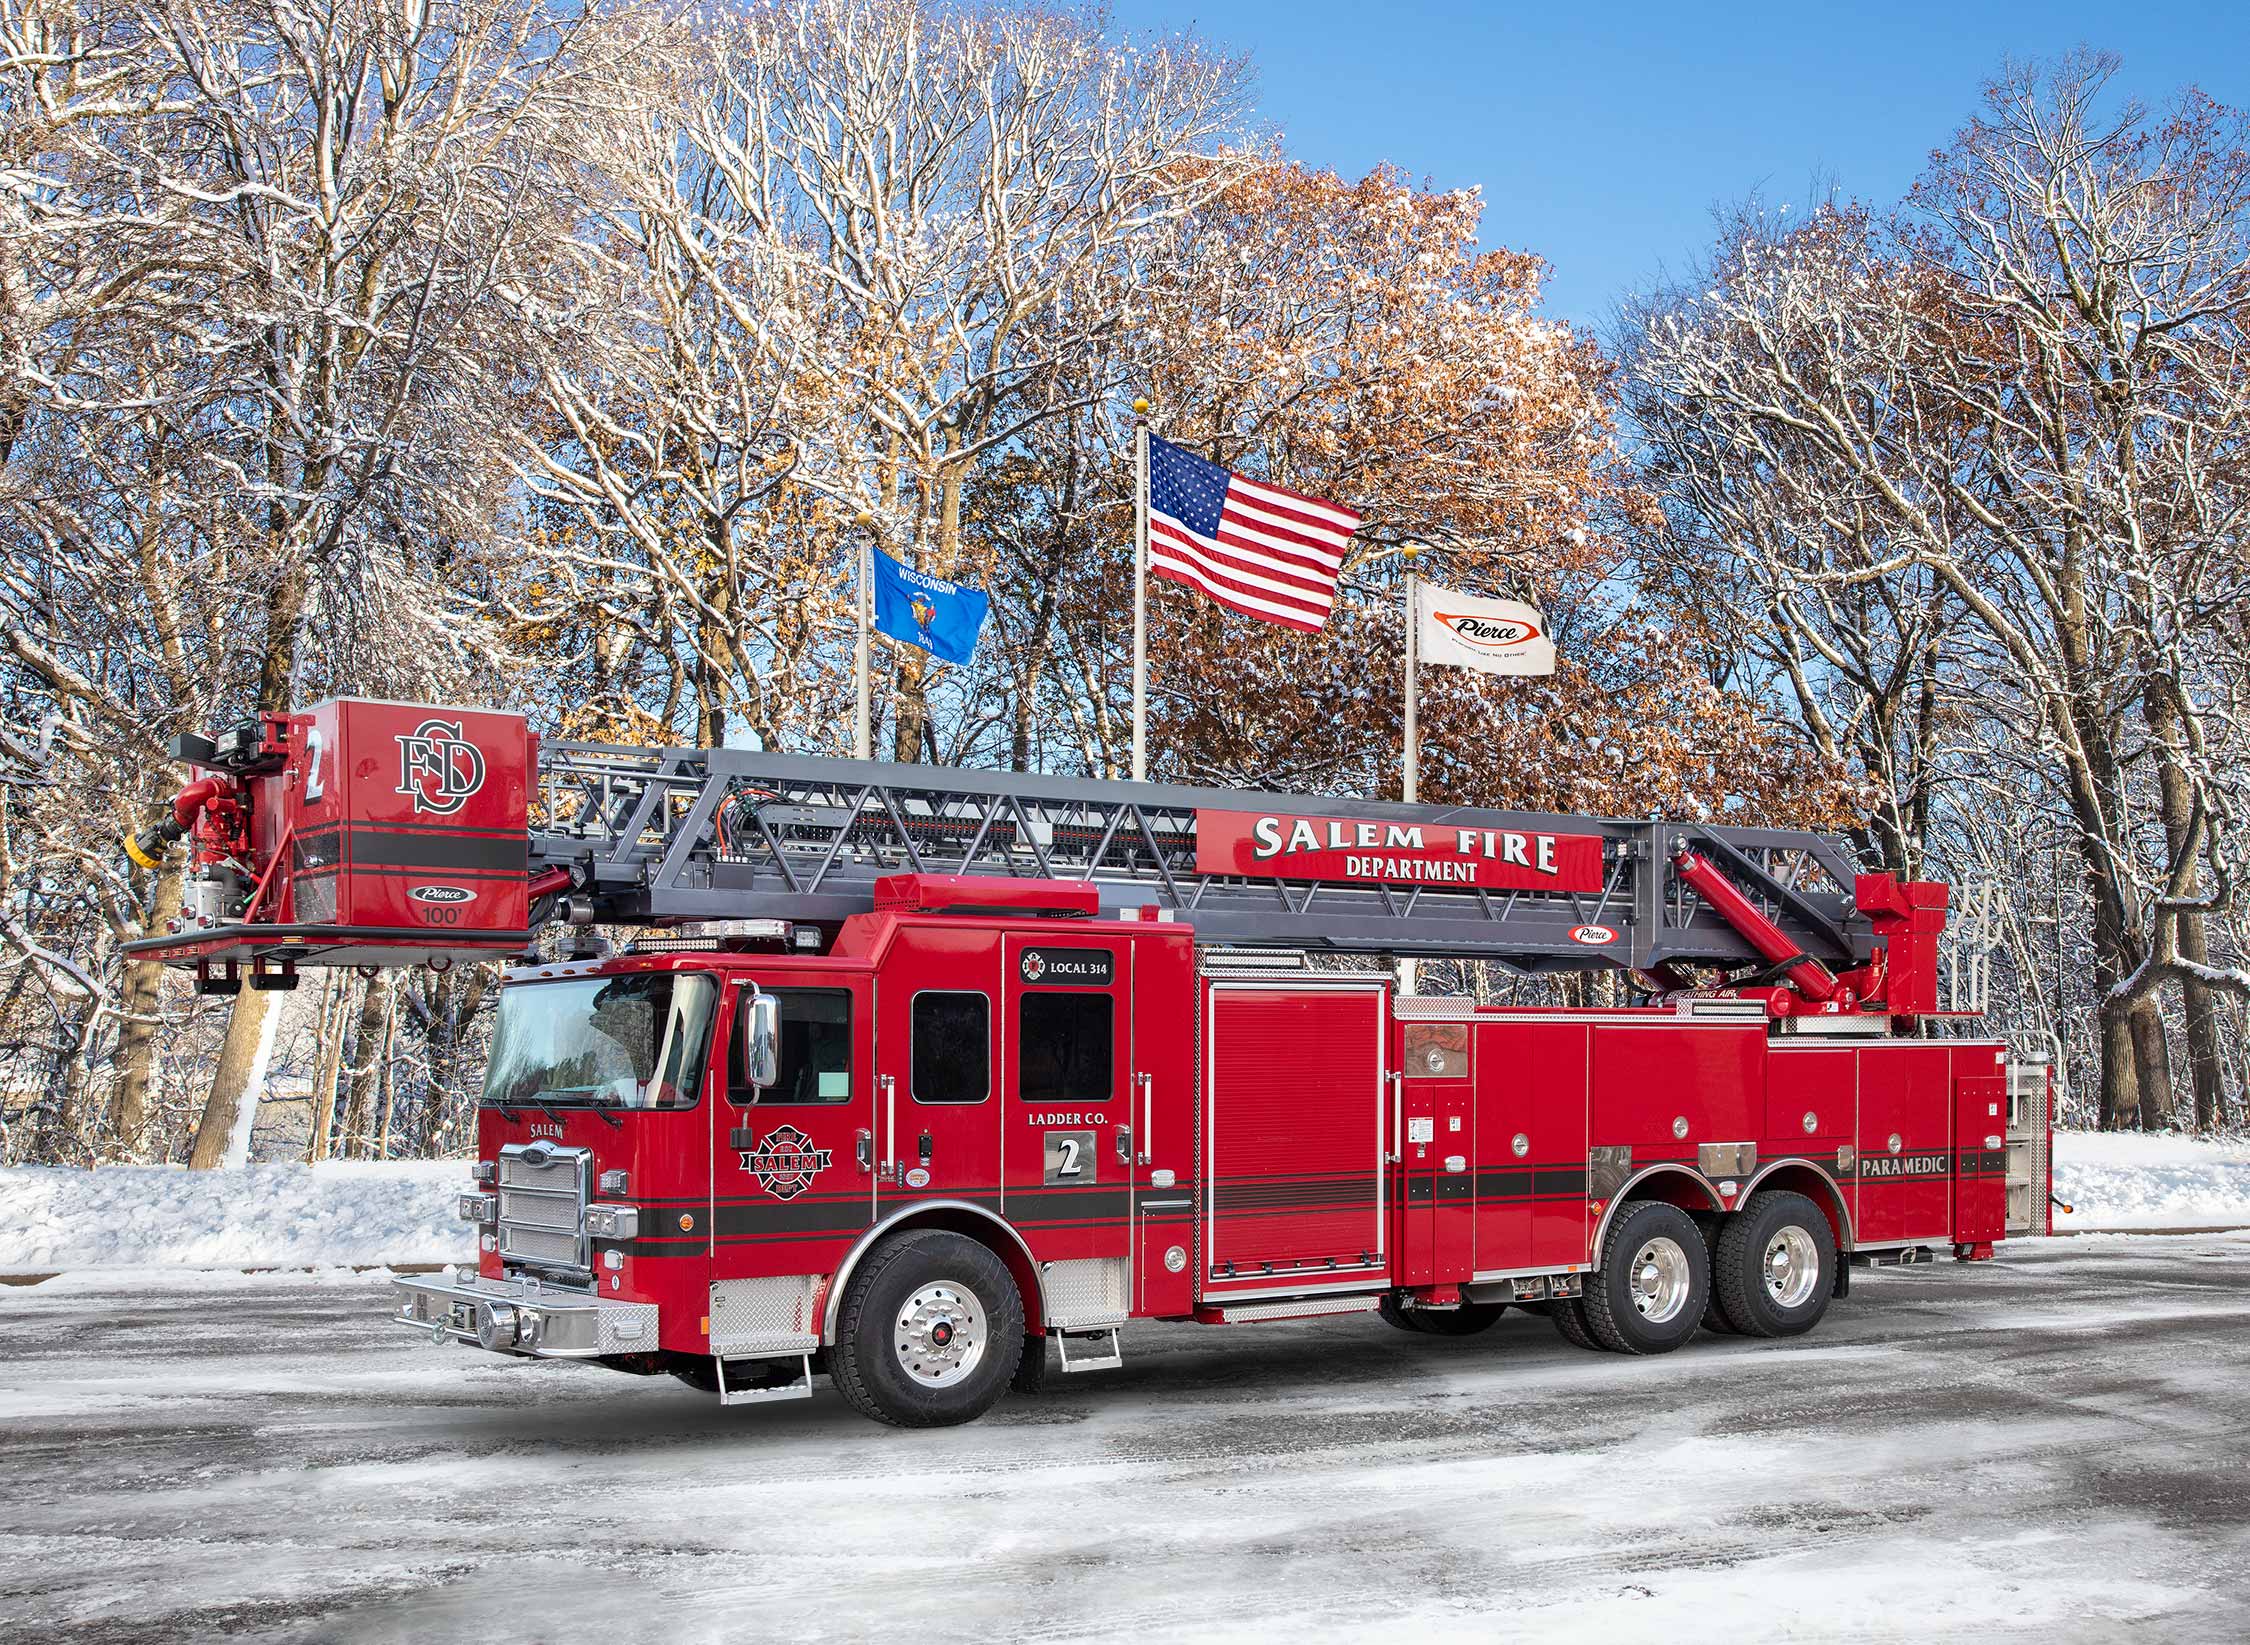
1602	136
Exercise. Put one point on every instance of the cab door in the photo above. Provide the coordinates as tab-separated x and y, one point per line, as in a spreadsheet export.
937	1082
792	1178
1071	1107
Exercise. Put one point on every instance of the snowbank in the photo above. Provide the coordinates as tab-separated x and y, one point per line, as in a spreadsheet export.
2125	1179
260	1216
290	1216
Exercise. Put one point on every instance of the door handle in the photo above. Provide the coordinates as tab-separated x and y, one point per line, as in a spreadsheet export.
890	1169
1124	1145
863	1147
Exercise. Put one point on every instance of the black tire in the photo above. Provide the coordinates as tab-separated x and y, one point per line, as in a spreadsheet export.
1754	1305
1400	1318
1619	1307
1464	1321
1714	1317
1569	1315
964	1290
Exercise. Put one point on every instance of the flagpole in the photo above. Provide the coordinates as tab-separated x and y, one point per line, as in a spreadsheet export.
863	735
1140	591
1411	785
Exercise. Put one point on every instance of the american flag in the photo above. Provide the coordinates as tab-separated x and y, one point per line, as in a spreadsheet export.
1254	548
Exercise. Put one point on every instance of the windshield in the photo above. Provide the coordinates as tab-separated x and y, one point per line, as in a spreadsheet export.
616	1042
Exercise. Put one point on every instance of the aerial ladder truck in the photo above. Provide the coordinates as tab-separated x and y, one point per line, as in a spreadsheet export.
928	1080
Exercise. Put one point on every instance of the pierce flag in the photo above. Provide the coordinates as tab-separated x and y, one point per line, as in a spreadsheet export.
1491	636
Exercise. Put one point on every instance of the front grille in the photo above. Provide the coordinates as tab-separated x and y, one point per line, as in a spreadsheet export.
543	1193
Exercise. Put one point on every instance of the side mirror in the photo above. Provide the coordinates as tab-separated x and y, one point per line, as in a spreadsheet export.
761	1040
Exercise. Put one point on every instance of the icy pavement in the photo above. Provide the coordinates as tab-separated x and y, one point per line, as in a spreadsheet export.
2053	1446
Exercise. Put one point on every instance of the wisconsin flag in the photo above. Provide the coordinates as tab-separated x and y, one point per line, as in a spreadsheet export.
1490	636
941	617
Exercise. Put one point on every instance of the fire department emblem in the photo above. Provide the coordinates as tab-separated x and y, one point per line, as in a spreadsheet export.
1034	965
785	1162
439	767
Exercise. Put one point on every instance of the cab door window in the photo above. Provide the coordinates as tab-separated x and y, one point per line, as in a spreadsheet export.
1063	1047
952	1047
815	1064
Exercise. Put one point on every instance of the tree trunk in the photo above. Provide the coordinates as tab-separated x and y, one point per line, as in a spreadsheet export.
139	1000
238	1078
367	1048
2152	1063
2176	801
330	1062
389	1083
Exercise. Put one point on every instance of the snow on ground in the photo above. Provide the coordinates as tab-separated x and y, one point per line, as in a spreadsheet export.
140	1216
2125	1179
269	1216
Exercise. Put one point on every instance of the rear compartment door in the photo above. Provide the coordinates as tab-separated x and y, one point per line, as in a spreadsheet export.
1437	1200
1295	1126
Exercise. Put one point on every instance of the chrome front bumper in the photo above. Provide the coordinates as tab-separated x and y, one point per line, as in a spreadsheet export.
523	1317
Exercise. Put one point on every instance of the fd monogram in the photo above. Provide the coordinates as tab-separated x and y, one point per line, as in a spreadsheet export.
439	767
785	1162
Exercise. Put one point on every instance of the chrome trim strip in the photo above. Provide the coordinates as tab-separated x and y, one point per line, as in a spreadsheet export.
867	1240
1544	1271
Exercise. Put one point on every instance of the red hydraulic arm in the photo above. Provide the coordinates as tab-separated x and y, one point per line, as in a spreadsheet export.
1820	987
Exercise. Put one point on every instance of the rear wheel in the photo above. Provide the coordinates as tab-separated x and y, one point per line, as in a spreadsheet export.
1569	1315
1464	1321
1774	1269
1654	1280
930	1332
1714	1317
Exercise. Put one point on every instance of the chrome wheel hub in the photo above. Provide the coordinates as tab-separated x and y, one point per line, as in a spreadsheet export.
1660	1279
1792	1267
940	1334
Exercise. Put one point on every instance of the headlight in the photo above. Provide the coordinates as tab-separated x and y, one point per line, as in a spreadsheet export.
475	1207
613	1221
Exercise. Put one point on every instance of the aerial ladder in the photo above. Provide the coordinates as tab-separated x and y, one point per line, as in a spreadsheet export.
367	834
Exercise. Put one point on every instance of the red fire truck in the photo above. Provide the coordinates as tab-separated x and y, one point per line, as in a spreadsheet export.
928	1079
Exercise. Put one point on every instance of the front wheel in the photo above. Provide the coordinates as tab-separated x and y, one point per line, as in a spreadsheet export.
1655	1278
930	1332
1775	1266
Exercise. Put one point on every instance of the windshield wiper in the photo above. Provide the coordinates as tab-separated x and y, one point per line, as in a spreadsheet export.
539	1101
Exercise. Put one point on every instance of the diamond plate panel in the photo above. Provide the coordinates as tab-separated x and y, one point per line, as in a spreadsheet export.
1087	1291
776	1315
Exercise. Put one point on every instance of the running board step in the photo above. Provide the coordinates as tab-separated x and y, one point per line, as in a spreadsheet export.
1095	1362
800	1389
1302	1308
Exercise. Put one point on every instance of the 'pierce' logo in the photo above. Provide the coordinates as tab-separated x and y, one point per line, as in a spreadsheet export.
439	767
1489	633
